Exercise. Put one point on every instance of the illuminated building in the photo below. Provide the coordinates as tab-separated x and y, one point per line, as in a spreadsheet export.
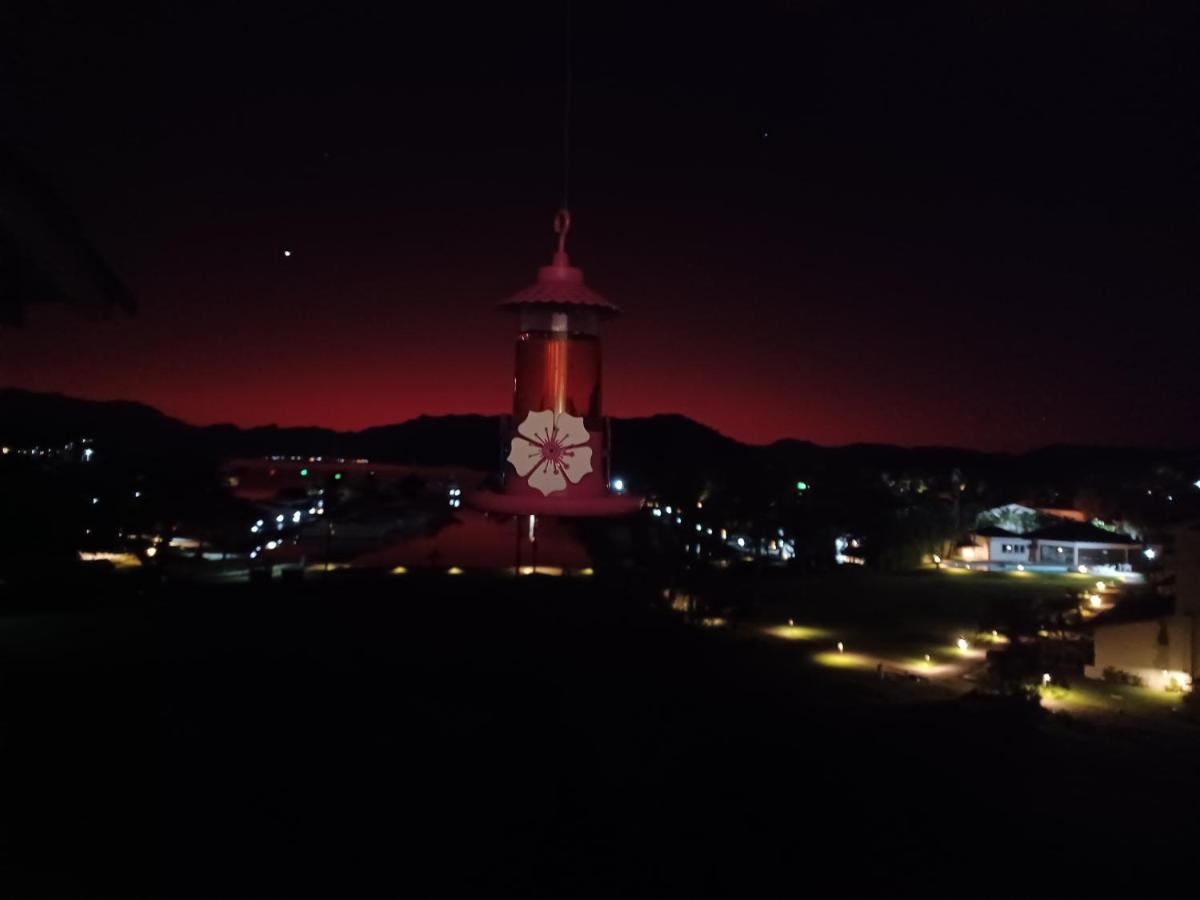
1062	546
1157	639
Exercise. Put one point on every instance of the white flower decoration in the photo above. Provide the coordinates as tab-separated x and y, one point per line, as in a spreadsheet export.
551	448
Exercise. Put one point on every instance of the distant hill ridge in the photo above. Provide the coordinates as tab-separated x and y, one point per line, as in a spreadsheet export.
654	446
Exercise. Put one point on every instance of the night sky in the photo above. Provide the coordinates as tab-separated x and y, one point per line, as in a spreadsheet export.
960	223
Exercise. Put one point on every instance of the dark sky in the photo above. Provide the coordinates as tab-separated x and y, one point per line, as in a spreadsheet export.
960	223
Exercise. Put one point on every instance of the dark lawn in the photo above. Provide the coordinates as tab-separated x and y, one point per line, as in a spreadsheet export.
367	738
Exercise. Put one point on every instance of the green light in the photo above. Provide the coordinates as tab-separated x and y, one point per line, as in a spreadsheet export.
802	485
337	476
304	473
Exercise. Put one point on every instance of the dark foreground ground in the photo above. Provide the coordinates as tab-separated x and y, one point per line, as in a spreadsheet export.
406	736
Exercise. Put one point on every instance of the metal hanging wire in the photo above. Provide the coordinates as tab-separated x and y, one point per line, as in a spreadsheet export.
566	119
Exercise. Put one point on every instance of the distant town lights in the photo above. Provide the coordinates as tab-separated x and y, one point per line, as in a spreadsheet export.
741	542
962	644
618	484
151	552
1149	553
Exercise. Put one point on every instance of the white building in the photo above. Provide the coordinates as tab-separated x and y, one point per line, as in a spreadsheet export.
1075	544
1157	641
994	545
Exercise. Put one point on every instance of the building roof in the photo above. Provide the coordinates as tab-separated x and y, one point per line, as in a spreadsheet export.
1078	532
1136	609
996	531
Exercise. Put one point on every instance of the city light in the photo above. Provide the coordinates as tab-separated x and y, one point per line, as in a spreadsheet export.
279	518
271	545
741	542
1020	568
296	516
337	476
657	512
1095	600
1083	570
1045	678
151	552
841	647
962	644
802	485
304	473
1100	586
1149	553
618	484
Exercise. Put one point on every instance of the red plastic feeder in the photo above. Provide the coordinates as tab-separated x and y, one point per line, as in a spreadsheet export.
558	460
